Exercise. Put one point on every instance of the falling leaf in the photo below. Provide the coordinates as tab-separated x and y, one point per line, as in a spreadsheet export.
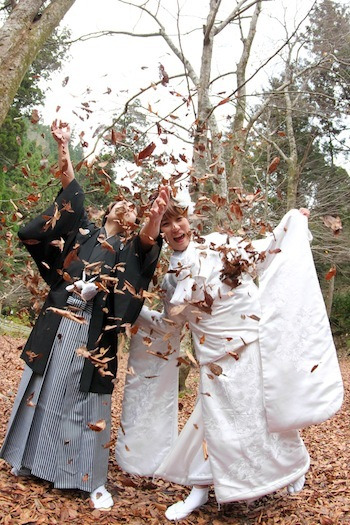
29	400
32	356
158	354
191	358
313	368
98	426
273	165
334	223
224	101
69	315
254	317
35	117
163	75
176	310
205	449
202	339
331	273
58	243
147	152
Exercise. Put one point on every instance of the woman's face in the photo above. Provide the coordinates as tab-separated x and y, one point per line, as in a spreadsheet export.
177	232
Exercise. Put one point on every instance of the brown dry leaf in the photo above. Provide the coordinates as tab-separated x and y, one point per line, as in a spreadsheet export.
334	223
331	273
205	449
273	165
69	315
157	354
98	426
146	152
72	256
202	339
32	355
59	243
215	369
35	117
191	358
176	310
29	401
254	317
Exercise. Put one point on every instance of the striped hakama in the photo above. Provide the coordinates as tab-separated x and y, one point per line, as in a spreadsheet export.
48	431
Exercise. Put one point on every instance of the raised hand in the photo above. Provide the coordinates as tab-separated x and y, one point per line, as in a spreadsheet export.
160	205
151	229
60	131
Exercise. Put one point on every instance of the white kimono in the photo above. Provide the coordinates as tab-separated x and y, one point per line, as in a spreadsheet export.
275	370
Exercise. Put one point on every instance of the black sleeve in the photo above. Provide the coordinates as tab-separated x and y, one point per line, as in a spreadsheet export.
61	221
148	259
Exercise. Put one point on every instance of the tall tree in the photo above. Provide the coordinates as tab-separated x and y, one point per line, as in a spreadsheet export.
26	29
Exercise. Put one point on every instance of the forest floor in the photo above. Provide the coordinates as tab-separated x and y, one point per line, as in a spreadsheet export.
325	499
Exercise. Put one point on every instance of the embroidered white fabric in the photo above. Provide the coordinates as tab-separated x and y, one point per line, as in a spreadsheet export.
249	414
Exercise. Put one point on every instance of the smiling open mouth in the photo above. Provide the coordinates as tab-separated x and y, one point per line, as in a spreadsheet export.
179	238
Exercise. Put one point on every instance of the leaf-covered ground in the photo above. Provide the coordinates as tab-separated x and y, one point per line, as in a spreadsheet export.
325	499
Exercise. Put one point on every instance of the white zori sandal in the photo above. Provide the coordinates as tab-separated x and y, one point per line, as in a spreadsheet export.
196	498
101	498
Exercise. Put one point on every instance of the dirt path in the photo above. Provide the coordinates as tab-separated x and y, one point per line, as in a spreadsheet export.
325	499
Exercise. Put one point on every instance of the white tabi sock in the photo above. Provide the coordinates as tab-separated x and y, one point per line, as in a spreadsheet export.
101	498
196	498
296	486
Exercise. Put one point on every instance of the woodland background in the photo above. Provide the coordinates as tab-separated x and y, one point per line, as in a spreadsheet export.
246	155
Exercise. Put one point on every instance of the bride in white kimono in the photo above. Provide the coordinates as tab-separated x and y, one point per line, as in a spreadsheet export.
268	366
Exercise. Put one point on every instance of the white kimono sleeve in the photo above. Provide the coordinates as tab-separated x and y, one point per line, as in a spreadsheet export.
149	415
301	377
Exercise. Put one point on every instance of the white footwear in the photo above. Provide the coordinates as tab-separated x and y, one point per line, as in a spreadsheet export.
296	486
101	498
194	500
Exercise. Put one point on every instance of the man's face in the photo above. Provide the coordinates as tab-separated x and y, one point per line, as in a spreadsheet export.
123	213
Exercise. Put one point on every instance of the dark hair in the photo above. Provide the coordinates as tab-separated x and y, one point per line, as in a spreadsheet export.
108	210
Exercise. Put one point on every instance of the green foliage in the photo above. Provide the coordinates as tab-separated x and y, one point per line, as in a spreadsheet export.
340	315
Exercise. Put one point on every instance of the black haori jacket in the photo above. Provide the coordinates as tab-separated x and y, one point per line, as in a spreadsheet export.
55	266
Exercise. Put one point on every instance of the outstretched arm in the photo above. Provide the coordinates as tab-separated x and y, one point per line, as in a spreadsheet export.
61	133
151	229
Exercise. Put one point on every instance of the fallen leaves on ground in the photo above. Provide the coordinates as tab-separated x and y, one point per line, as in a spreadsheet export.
325	499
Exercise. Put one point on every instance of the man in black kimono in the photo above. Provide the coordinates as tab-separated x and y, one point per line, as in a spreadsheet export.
59	428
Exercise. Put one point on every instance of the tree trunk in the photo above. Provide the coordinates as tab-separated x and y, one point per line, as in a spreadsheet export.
330	294
21	38
293	169
239	135
200	146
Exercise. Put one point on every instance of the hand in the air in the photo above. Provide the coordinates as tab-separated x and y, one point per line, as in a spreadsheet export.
160	205
60	132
